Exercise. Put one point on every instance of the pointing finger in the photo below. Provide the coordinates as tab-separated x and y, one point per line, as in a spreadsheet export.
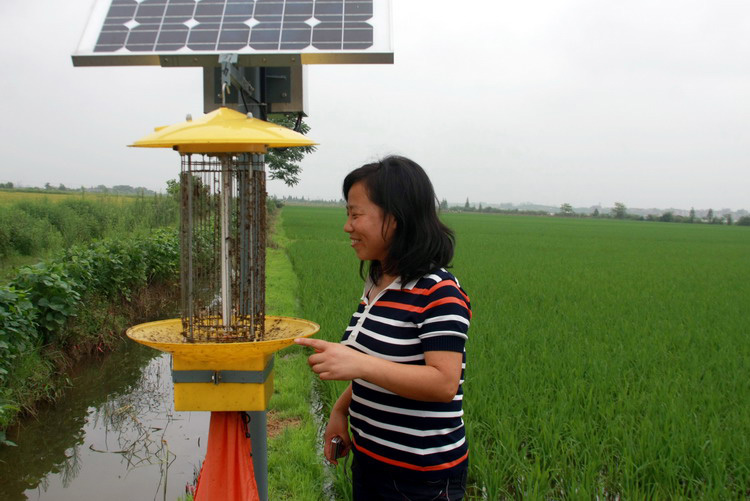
317	344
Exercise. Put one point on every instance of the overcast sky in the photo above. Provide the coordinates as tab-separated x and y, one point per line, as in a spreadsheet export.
581	101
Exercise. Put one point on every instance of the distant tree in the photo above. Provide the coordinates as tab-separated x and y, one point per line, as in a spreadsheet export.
710	215
692	215
619	211
667	217
566	210
729	219
444	205
62	187
480	206
743	221
47	186
173	189
466	205
596	213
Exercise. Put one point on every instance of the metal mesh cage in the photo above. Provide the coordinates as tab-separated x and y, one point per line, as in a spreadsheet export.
223	247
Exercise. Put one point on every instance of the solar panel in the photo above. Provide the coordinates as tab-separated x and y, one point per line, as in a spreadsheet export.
147	31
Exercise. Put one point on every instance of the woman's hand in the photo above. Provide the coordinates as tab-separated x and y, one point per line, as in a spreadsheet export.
337	427
334	360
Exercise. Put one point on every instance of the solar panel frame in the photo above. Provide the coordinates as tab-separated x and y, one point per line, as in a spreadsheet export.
261	32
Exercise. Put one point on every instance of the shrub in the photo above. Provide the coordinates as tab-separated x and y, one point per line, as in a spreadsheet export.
162	255
17	326
32	227
53	294
25	234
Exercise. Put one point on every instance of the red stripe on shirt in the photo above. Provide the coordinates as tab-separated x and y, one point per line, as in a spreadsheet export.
422	309
402	464
444	283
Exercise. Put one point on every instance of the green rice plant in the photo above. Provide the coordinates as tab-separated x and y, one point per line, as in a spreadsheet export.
606	358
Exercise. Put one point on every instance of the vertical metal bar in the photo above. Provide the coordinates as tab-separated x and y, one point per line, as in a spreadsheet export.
252	242
184	241
258	436
259	245
244	175
226	218
189	248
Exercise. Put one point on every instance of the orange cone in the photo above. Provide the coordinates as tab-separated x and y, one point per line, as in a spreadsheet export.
227	473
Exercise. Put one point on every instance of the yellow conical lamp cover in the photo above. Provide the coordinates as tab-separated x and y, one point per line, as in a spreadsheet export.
223	130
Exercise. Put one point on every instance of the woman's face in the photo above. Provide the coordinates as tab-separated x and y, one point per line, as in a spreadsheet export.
370	231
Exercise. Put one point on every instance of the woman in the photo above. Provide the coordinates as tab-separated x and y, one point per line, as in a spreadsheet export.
404	348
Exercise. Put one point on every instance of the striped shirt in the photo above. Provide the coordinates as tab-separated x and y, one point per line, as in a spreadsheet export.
431	313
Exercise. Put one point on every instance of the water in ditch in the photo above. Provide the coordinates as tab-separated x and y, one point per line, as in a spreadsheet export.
113	435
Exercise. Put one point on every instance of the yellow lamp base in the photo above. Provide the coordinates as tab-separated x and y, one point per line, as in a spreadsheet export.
222	363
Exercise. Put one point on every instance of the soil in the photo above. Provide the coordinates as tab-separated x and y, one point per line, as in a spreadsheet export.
277	425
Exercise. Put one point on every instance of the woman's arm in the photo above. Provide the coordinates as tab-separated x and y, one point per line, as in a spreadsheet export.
436	381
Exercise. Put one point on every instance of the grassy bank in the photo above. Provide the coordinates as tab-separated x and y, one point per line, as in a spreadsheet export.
295	466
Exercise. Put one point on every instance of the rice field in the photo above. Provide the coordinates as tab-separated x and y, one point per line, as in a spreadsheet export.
8	197
606	358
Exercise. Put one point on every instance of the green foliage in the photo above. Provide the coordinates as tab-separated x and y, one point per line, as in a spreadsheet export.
619	211
567	210
31	379
116	267
25	234
17	327
33	227
283	163
173	189
110	267
37	307
667	217
53	294
743	221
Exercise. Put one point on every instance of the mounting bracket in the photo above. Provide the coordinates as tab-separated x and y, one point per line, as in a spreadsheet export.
231	75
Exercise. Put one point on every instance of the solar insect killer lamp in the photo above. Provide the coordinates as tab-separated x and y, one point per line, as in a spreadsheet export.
222	347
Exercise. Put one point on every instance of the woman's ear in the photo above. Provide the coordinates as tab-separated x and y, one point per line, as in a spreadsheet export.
389	226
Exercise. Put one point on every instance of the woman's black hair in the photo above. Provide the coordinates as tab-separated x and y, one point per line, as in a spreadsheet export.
421	242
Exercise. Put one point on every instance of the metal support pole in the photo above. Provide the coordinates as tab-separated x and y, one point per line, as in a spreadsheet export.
258	436
226	221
